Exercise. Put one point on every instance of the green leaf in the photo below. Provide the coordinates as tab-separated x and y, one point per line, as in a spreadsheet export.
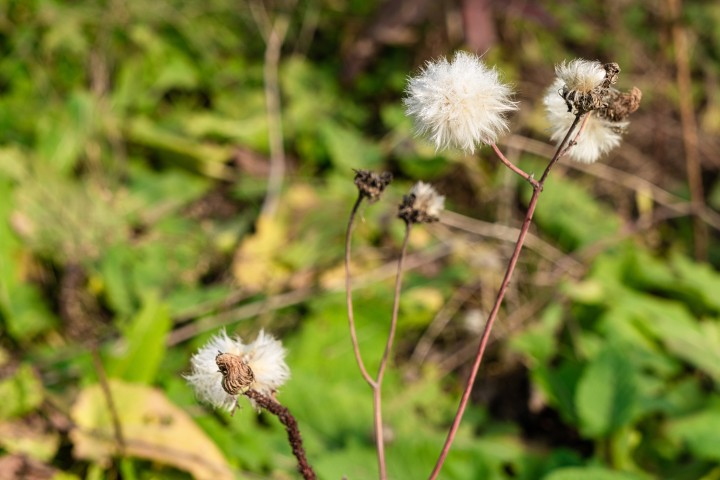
23	311
21	393
143	344
606	394
700	432
591	473
572	215
538	342
348	149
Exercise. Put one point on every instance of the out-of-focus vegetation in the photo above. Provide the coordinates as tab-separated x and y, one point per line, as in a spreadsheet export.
133	167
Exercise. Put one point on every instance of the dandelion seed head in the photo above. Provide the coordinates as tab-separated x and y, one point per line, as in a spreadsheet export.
599	136
265	357
423	204
581	75
459	103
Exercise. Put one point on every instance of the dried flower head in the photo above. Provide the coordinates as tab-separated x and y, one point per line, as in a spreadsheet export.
370	184
422	205
460	103
599	136
585	87
584	83
225	365
620	105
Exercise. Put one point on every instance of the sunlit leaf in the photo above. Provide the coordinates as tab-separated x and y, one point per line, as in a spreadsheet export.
606	394
699	432
591	473
143	344
21	393
152	428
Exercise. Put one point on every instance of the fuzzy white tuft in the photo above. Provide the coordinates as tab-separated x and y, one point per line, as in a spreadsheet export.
599	137
427	199
460	103
265	357
581	75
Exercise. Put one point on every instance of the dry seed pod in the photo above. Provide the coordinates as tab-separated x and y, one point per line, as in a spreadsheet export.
237	375
371	184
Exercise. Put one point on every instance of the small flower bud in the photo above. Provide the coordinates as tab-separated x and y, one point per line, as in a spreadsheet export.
237	375
422	204
370	184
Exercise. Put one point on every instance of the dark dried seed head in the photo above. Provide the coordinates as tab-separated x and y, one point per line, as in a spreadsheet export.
370	184
620	104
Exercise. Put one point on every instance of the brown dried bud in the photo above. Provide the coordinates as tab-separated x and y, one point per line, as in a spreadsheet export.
370	184
620	105
237	374
612	70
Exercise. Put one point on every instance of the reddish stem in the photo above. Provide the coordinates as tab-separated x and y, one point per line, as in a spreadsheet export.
377	388
291	426
514	168
537	188
348	295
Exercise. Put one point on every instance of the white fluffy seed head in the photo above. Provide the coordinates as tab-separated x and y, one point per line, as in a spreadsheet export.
599	136
581	75
459	104
427	199
265	357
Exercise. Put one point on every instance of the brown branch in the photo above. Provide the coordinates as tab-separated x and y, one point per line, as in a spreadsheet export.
291	426
348	295
689	127
104	385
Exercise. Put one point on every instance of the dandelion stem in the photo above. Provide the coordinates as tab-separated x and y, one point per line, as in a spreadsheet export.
348	292
564	146
377	389
514	167
291	426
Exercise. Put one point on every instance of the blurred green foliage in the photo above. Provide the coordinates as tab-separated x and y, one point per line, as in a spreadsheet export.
133	165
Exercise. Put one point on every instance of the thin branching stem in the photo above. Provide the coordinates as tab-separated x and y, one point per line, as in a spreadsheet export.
348	295
514	167
377	389
107	393
537	189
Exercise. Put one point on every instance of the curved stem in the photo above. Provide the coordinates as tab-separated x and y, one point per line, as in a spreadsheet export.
537	189
348	296
514	168
377	389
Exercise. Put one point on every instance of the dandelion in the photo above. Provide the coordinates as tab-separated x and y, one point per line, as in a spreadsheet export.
262	365
460	103
422	205
599	136
584	87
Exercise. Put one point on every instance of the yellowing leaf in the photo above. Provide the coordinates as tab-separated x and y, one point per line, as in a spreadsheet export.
152	427
254	267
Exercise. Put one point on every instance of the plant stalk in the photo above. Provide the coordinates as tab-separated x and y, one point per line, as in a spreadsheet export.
537	189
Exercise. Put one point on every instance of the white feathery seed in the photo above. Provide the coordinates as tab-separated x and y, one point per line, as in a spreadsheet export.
599	136
581	75
265	357
427	199
459	104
